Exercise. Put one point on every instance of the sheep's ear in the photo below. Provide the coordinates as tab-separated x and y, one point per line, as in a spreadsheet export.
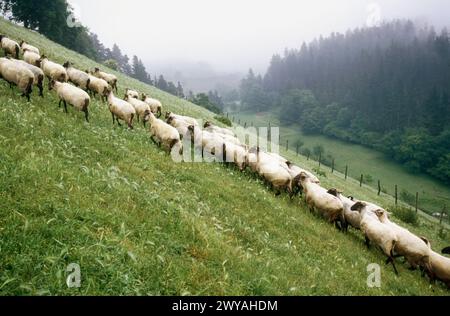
333	192
358	206
380	213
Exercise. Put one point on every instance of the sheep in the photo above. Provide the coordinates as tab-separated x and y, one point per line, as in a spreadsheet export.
38	75
439	267
164	134
142	108
155	105
352	218
9	46
52	70
276	175
187	119
408	245
25	46
32	58
212	128
109	78
121	109
77	77
99	86
329	206
132	93
238	154
18	75
295	171
375	231
182	126
76	97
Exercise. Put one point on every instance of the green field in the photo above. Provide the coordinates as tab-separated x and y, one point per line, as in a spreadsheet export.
137	223
433	195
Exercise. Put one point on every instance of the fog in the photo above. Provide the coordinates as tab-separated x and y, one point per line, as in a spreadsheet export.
234	35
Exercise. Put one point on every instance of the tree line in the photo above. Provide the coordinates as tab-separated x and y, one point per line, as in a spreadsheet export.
385	87
50	18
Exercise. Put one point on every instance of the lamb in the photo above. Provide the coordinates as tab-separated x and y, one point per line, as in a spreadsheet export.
38	75
99	86
212	128
326	204
142	108
52	70
408	245
109	78
18	75
9	46
375	231
439	267
187	119
155	105
121	109
164	134
132	93
32	58
76	97
77	77
25	46
351	217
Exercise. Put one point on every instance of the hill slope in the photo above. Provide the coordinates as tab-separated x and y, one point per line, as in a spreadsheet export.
107	199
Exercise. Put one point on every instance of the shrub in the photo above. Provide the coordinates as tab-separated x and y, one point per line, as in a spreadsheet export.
320	172
368	178
406	215
442	233
224	120
407	197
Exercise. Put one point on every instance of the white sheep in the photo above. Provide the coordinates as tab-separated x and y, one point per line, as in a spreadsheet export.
439	267
132	93
187	119
76	97
182	126
318	198
121	109
142	108
109	78
38	75
77	77
413	248
32	58
238	154
155	105
99	86
18	75
31	48
212	128
165	135
9	46
352	218
375	231
276	175
52	70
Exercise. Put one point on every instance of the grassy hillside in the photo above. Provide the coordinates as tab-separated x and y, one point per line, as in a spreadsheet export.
433	195
139	224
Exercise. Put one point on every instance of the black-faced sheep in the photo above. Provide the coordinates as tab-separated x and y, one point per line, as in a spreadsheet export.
76	97
18	75
109	78
77	77
121	109
52	70
10	47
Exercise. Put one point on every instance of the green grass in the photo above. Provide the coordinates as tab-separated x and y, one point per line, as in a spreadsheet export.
433	195
138	224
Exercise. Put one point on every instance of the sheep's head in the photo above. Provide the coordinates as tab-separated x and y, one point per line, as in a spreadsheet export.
207	124
1	36
66	64
358	206
144	96
168	114
170	120
21	43
51	85
381	214
147	116
126	97
96	69
334	192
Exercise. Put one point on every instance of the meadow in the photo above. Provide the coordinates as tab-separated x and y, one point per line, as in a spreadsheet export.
137	223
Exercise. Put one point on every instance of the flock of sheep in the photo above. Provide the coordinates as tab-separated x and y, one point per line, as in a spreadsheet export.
372	220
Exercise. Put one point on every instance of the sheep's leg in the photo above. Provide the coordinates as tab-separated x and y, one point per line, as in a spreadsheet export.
113	118
137	117
65	106
391	260
60	101
41	90
118	123
86	115
367	242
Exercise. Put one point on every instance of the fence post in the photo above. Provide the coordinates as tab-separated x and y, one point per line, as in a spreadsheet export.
320	159
297	149
417	202
227	114
269	134
332	166
287	145
396	195
308	156
239	122
346	172
233	119
361	181
245	125
379	187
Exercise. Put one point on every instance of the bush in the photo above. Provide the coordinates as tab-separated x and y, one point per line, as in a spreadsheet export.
320	172
406	215
442	233
407	197
224	120
368	178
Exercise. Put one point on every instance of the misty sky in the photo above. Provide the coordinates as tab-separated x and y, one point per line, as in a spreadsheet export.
233	35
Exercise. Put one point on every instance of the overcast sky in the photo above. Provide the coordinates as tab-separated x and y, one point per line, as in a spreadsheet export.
233	35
